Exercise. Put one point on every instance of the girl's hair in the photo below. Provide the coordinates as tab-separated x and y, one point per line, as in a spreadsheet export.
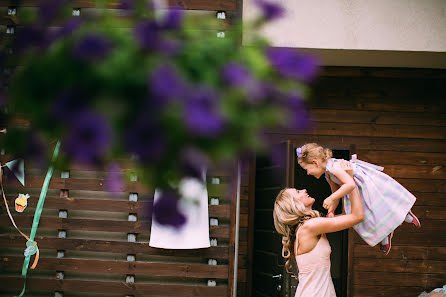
289	214
311	151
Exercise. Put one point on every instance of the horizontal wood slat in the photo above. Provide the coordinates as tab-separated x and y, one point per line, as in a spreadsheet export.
165	289
154	269
184	4
427	185
373	130
370	143
384	158
403	279
385	291
74	184
416	171
398	265
429	213
367	72
90	245
402	252
138	207
329	99
97	185
378	117
431	233
97	225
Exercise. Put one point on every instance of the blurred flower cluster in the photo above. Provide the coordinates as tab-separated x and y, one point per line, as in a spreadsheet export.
151	87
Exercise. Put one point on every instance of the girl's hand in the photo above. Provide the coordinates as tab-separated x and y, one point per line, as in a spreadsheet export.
330	214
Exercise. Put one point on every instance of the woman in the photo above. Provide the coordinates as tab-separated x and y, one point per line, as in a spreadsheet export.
303	231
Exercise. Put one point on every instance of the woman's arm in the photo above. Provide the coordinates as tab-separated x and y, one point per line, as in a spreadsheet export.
320	225
334	187
348	184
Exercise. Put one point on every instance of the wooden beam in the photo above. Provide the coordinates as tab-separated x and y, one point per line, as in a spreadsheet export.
117	288
142	208
184	4
68	224
154	269
92	184
91	245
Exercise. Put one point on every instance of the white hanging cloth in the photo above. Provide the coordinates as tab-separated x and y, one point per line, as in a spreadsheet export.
194	234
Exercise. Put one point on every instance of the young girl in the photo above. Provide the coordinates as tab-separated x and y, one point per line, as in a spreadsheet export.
303	232
386	203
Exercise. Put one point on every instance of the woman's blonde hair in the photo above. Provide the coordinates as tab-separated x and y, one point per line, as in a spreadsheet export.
310	151
289	214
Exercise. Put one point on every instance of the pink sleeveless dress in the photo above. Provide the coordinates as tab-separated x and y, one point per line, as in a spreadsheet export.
314	271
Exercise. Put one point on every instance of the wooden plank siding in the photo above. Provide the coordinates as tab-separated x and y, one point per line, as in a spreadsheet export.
96	243
395	118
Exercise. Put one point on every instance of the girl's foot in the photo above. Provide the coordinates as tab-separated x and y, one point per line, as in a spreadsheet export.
412	219
388	245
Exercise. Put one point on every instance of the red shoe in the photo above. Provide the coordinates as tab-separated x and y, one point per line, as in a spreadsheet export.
415	220
386	247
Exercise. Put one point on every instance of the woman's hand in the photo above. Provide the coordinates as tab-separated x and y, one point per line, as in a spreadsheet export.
329	203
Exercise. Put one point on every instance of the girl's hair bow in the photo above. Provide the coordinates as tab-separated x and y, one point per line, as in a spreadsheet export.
299	152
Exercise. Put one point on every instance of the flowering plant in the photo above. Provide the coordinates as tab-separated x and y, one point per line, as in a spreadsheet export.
150	87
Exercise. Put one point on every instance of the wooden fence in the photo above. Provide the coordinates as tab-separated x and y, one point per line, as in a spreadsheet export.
94	243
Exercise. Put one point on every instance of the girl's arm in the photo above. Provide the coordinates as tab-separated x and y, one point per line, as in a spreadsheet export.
348	184
321	225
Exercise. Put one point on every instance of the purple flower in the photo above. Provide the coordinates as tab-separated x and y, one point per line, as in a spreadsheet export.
201	114
113	182
88	138
193	162
67	29
270	10
277	154
299	115
68	104
35	149
145	140
166	212
239	76
148	35
236	74
127	4
172	19
165	83
92	47
292	64
49	10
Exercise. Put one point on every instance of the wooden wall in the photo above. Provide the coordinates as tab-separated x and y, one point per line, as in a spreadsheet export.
92	260
395	118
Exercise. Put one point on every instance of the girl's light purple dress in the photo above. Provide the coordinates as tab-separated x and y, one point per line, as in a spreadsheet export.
385	202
